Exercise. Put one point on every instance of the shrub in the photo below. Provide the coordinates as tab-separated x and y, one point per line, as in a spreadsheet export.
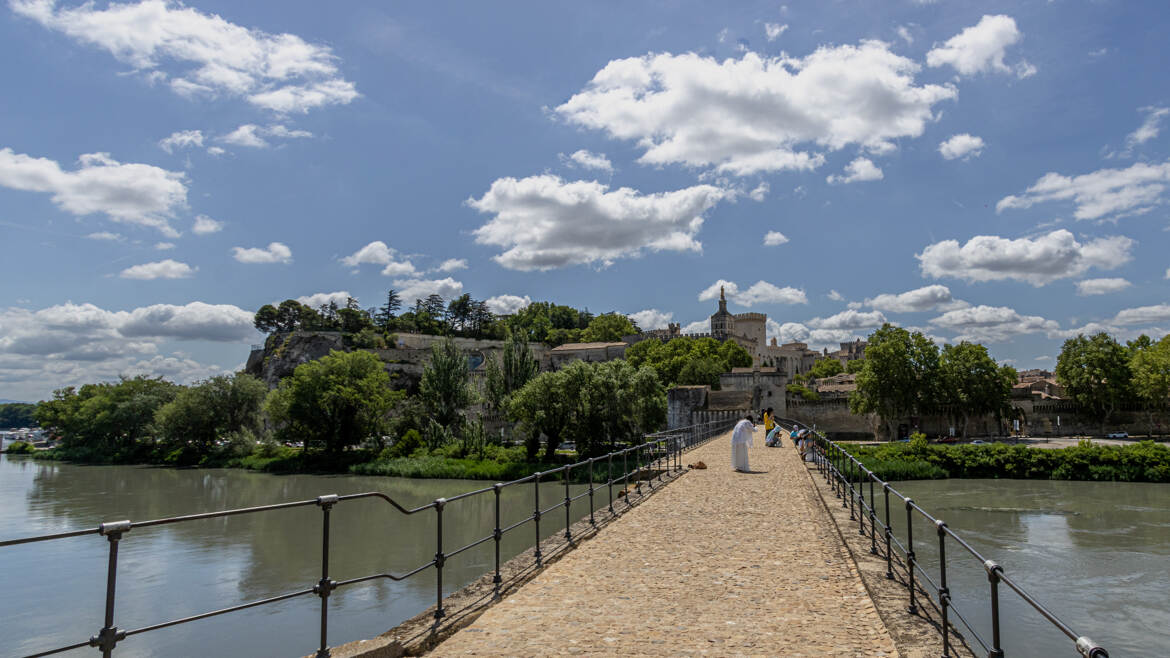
20	448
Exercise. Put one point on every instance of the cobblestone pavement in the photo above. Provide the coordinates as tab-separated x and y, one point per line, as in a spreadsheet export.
719	563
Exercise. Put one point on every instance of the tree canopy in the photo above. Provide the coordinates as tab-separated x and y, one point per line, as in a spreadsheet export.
211	410
110	417
685	360
17	414
898	378
334	402
1150	366
971	383
1095	374
596	405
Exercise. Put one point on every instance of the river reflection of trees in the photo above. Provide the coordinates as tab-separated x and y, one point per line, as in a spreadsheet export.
197	566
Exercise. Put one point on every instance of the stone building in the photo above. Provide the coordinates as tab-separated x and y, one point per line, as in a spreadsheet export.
767	386
560	356
849	352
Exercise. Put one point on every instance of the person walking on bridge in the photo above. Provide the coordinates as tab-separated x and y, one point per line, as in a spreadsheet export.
741	440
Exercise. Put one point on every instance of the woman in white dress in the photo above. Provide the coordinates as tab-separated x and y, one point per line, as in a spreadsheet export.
741	440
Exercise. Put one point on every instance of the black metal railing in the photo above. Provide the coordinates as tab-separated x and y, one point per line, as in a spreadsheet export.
850	479
658	455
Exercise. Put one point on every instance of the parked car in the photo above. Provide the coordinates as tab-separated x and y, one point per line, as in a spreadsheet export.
949	439
1117	435
978	442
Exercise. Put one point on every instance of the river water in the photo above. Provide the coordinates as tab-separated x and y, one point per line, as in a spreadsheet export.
54	592
1095	553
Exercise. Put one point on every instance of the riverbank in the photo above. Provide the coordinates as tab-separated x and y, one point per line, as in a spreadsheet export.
1144	461
493	463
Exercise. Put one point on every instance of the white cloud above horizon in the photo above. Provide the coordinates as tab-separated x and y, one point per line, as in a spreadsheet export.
138	194
1038	261
981	48
163	269
753	114
760	292
277	72
962	145
275	252
1102	194
544	222
858	171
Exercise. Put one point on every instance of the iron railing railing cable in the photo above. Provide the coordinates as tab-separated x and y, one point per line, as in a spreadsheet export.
849	478
658	454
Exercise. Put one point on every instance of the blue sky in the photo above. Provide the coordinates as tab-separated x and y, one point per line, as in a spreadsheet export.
991	171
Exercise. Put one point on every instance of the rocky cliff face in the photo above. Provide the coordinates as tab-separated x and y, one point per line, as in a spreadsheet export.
282	353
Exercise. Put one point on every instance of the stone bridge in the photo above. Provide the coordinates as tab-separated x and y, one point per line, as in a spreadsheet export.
715	563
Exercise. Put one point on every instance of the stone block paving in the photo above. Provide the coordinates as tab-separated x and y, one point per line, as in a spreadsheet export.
718	563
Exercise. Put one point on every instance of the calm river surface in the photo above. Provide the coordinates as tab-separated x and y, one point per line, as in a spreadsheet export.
1095	553
53	592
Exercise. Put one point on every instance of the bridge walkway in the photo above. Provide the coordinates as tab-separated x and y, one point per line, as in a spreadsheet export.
718	563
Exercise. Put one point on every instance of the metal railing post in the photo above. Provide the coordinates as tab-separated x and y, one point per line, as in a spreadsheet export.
913	608
109	635
592	522
872	518
944	594
536	513
568	503
626	476
440	559
497	535
850	467
609	480
993	571
860	504
324	586
889	553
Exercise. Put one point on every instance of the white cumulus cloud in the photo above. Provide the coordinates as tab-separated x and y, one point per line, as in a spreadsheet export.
418	288
587	160
962	145
181	140
544	222
849	320
163	269
452	265
760	292
1149	128
981	48
1101	286
913	301
1102	194
319	299
1143	315
860	170
774	30
760	192
205	225
754	114
202	55
275	252
139	194
651	318
992	324
1038	261
774	238
379	253
507	304
254	136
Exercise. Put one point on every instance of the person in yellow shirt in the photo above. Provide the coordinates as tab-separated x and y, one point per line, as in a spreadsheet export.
769	421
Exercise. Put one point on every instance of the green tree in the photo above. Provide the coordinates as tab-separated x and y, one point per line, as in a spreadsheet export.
608	328
266	319
826	367
444	389
899	376
459	311
1150	365
972	384
334	402
1095	374
206	411
539	406
387	312
853	367
17	414
701	371
110	419
509	372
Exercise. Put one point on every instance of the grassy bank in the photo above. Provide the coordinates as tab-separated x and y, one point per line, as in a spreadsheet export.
1141	462
494	463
